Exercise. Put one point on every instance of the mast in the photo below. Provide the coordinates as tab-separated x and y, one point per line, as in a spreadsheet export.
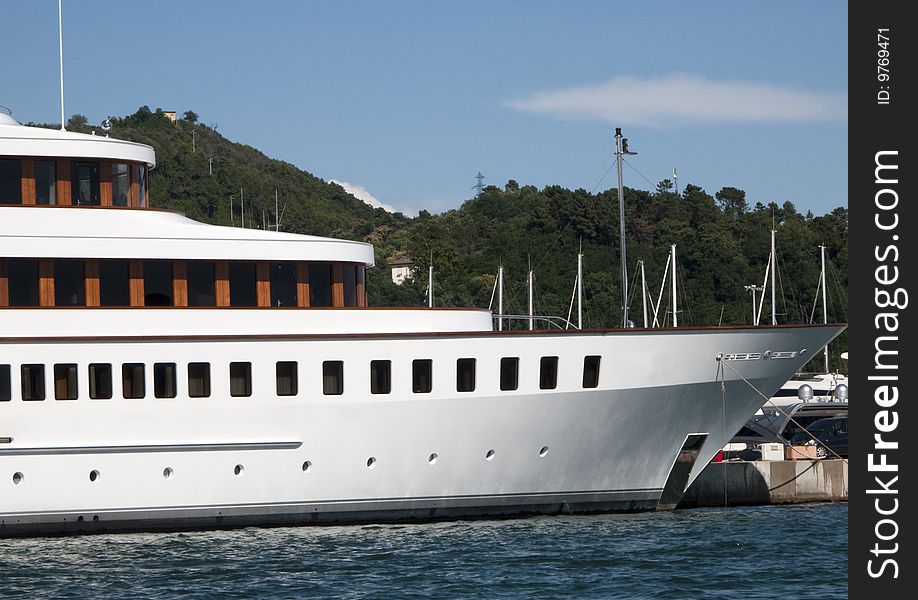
430	283
675	322
60	44
825	312
530	300
242	203
644	293
580	287
621	148
500	298
774	318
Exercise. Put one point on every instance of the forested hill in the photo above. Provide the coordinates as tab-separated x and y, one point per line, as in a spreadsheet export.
722	240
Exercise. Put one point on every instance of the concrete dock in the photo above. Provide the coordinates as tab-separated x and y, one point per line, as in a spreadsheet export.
734	483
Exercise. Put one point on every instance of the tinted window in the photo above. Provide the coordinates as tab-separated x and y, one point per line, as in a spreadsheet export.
22	279
320	284
45	182
283	284
380	376
69	289
509	373
33	382
591	371
164	380
133	385
240	379
114	283
10	181
85	184
121	184
65	382
350	285
422	376
6	383
199	380
100	381
157	283
286	378
548	373
333	377
201	284
242	284
465	375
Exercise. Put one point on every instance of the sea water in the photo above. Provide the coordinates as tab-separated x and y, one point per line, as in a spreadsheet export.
739	552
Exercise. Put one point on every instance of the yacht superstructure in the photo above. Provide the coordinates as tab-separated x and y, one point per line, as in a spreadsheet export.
158	373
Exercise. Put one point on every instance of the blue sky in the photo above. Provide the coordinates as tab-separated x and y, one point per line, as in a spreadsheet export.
408	101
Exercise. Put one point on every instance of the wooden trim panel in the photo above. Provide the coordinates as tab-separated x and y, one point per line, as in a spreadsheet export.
4	285
27	170
91	283
46	282
135	282
263	283
180	283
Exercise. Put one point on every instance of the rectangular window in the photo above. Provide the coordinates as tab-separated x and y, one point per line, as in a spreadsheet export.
591	371
380	376
141	172
199	380
548	373
333	377
286	378
22	280
114	283
283	284
65	382
85	184
320	276
33	382
69	288
45	182
100	381
164	380
422	376
201	286
6	383
240	379
465	375
157	283
133	384
10	181
350	285
509	373
242	284
121	184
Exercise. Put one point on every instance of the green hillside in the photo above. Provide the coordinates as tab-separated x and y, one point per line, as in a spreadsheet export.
722	239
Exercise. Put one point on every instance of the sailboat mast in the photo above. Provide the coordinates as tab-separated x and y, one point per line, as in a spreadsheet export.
825	312
774	318
500	298
580	289
675	321
531	327
621	216
430	283
644	293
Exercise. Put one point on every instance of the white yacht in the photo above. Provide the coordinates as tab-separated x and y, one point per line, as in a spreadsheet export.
159	373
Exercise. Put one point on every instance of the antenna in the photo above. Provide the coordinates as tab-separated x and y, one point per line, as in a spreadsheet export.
60	43
479	186
621	149
676	180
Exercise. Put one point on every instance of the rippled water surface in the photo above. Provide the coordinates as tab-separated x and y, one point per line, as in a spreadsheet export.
755	552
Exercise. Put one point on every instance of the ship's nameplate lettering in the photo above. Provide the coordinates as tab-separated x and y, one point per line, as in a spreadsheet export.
770	355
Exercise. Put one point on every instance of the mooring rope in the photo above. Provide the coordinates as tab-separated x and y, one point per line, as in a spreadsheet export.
768	401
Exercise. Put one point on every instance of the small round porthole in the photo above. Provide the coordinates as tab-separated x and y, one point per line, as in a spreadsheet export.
490	455
167	473
239	470
543	452
307	466
18	477
94	475
371	462
433	458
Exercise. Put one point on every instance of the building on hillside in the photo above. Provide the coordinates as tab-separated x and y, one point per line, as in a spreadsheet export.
401	268
170	114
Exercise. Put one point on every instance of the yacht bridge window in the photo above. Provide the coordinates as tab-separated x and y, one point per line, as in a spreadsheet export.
10	181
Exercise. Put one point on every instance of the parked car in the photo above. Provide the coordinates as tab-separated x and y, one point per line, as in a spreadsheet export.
831	437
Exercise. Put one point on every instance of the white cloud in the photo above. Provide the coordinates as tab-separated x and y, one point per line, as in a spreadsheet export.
361	193
680	97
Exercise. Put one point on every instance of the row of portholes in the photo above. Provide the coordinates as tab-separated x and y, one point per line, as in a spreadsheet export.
239	469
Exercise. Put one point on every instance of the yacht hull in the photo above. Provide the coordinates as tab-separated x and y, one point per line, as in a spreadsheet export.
264	460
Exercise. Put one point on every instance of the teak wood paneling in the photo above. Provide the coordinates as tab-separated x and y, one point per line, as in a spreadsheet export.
105	183
263	283
46	282
221	271
28	180
302	284
337	284
4	285
135	273
91	283
179	283
64	191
